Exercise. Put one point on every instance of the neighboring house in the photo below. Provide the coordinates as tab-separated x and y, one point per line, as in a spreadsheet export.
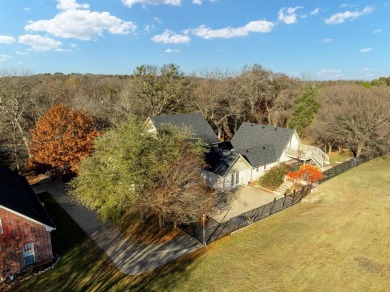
253	150
21	211
194	121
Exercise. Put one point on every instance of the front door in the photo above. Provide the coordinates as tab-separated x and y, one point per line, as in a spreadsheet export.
235	179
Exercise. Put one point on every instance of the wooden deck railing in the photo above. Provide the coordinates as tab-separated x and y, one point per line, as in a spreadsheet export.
307	152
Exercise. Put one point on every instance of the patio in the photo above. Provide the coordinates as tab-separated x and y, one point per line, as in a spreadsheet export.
246	198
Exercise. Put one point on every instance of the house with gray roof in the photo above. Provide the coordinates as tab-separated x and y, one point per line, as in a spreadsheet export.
253	150
194	121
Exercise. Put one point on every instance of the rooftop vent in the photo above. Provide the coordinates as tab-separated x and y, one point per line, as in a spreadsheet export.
264	147
276	129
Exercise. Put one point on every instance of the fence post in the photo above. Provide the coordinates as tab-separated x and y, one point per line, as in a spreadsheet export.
204	229
273	206
284	200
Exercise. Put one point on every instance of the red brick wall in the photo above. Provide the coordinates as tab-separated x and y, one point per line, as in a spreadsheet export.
32	232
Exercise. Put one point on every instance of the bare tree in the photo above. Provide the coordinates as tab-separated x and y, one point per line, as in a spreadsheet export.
15	112
356	118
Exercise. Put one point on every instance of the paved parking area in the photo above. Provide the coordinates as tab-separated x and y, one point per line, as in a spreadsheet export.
246	198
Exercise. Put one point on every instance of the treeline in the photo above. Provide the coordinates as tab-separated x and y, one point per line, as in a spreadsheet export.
340	114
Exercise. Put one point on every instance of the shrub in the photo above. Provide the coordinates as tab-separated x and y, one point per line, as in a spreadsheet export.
274	177
308	173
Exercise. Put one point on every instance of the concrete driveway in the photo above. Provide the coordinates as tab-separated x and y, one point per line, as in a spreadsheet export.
246	198
129	258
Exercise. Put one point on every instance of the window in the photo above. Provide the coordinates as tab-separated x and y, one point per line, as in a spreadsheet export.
28	254
232	180
235	179
1	227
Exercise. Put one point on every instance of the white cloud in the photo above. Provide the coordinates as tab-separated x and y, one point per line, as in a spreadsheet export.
70	5
315	11
76	21
197	2
348	5
261	26
21	53
328	40
28	9
348	15
4	58
329	74
6	39
39	43
73	46
170	37
288	15
365	50
377	30
172	51
130	3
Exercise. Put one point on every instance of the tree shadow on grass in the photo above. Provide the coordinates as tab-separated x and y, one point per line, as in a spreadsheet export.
84	266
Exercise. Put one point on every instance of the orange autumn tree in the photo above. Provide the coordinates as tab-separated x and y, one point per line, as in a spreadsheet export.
61	138
307	172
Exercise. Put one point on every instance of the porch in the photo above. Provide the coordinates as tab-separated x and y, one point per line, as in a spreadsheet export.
307	152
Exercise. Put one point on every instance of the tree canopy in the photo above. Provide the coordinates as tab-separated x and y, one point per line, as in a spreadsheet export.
356	118
158	173
61	138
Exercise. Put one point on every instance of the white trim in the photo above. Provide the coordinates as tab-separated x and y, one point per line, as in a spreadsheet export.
48	228
231	165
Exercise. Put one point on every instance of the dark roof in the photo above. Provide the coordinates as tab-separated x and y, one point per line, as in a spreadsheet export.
261	155
195	121
261	144
219	160
17	195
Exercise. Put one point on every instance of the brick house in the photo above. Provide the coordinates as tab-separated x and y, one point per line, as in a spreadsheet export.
23	214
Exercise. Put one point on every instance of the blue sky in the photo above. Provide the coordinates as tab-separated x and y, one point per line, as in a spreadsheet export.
322	40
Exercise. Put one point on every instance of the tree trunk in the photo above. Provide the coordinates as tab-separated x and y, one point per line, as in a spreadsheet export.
359	149
329	147
25	139
160	220
141	215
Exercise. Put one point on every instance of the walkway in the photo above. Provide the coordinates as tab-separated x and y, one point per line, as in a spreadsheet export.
130	259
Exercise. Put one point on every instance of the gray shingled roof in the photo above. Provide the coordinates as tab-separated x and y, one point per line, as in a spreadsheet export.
219	160
17	195
195	121
261	144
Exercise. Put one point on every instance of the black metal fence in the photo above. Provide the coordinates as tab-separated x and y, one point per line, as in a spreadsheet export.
342	167
213	230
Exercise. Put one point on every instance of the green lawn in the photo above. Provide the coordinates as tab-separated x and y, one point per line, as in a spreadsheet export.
340	241
336	157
